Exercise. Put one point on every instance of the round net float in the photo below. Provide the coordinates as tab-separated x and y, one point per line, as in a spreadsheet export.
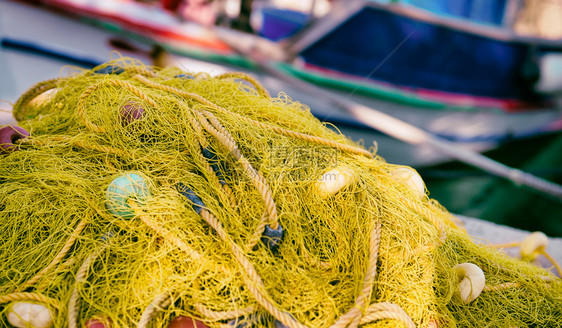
9	134
98	321
272	238
334	180
471	281
186	322
533	245
410	178
131	112
43	98
121	190
29	315
110	69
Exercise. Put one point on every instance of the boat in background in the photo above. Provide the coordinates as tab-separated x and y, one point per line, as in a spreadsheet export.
406	92
467	54
468	191
439	54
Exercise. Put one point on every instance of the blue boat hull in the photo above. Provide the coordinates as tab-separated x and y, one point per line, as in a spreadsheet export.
436	60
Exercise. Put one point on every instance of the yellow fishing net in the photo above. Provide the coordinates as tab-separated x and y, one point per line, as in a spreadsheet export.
143	195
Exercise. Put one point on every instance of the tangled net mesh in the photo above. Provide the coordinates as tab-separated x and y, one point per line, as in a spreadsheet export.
374	253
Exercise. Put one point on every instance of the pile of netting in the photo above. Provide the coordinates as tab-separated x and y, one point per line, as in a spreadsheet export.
134	196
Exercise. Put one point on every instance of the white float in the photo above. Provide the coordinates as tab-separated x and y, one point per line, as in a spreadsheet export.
29	315
334	180
533	245
43	98
410	178
471	281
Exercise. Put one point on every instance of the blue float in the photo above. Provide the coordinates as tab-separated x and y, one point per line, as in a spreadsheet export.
121	189
184	76
196	202
214	162
272	237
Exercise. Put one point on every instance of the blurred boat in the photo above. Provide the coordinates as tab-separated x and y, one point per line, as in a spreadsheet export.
465	190
467	54
439	54
405	58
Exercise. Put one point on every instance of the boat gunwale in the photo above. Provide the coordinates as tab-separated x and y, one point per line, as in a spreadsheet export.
328	23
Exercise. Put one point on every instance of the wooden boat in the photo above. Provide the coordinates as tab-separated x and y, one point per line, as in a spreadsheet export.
475	61
405	52
447	72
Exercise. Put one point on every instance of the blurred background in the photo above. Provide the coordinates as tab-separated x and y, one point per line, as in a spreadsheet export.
482	76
